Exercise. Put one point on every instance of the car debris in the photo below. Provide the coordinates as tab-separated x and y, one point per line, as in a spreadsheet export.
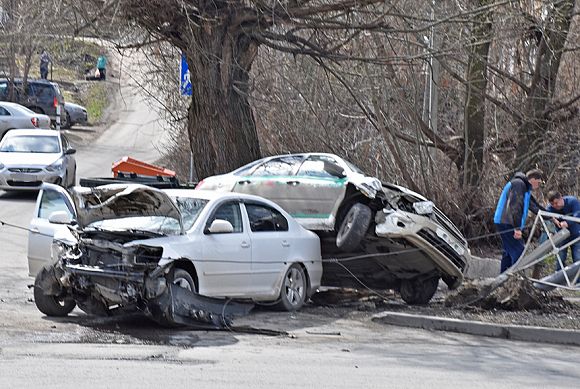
373	234
132	248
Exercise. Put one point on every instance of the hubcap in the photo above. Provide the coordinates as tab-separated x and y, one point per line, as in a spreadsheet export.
294	286
347	224
182	283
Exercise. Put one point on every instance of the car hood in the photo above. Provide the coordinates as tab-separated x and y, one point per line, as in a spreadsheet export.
118	201
29	159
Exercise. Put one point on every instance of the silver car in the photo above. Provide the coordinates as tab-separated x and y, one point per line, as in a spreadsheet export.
14	115
30	157
408	242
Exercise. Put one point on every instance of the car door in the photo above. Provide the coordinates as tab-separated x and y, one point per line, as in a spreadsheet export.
270	246
51	198
5	121
69	161
226	257
321	185
274	179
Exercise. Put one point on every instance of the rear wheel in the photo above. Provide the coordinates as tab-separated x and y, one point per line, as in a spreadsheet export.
418	291
353	227
294	289
67	123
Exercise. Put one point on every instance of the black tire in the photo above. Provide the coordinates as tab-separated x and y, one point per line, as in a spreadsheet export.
353	227
418	292
294	289
67	123
73	181
51	305
182	278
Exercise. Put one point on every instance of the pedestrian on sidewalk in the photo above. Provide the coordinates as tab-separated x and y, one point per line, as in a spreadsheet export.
570	206
511	213
44	61
102	66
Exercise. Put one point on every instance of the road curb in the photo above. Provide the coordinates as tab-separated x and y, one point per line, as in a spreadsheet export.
513	332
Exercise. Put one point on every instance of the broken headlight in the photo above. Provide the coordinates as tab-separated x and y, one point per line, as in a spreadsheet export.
423	207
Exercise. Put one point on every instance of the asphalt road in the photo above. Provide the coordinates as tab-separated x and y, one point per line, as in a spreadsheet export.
322	347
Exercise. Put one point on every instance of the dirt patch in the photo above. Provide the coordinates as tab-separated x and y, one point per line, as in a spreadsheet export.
553	310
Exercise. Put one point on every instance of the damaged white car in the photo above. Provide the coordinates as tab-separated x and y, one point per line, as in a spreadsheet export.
175	255
409	244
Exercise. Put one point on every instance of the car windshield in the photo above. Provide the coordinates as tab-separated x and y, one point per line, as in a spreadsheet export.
190	209
353	167
30	144
23	109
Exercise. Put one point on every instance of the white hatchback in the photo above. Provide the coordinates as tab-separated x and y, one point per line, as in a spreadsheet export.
121	245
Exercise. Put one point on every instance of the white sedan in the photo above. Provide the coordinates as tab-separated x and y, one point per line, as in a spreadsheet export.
30	157
14	115
122	246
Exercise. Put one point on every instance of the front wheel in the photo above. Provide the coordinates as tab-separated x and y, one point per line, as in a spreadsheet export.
294	289
51	305
183	279
353	227
418	292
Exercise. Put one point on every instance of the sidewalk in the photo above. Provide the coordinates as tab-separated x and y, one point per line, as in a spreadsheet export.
512	332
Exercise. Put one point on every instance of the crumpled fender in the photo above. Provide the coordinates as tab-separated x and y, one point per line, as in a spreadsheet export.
369	186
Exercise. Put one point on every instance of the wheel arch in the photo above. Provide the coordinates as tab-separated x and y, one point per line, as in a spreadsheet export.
188	266
352	195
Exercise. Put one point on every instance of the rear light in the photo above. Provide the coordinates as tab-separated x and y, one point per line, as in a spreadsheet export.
199	184
55	102
34	121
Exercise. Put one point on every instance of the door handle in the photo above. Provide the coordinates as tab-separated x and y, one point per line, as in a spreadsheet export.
245	245
243	182
34	230
285	243
293	182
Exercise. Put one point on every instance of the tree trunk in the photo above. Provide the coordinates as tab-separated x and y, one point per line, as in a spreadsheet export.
474	119
531	133
221	125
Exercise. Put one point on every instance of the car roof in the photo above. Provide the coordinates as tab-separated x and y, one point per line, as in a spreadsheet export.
30	81
40	132
215	195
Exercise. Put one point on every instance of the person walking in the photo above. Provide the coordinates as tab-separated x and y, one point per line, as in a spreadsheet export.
511	212
570	206
102	67
44	61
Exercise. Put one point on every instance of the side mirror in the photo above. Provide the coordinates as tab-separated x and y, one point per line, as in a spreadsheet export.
60	217
70	151
219	226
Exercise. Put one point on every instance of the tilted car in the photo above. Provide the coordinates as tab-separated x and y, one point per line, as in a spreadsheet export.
409	244
30	157
14	115
125	247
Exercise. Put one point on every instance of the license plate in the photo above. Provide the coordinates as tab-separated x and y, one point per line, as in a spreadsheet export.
23	177
450	241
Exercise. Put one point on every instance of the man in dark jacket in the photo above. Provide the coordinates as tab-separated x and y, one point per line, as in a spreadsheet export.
512	211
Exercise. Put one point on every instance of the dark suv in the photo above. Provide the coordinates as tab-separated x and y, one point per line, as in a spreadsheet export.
41	96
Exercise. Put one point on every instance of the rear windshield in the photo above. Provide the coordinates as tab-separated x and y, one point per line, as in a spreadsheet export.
30	144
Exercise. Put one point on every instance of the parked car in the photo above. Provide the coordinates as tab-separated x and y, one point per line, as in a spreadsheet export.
411	242
130	243
40	96
74	114
30	157
14	115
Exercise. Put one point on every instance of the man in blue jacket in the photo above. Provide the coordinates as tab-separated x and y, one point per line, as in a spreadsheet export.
511	213
570	206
